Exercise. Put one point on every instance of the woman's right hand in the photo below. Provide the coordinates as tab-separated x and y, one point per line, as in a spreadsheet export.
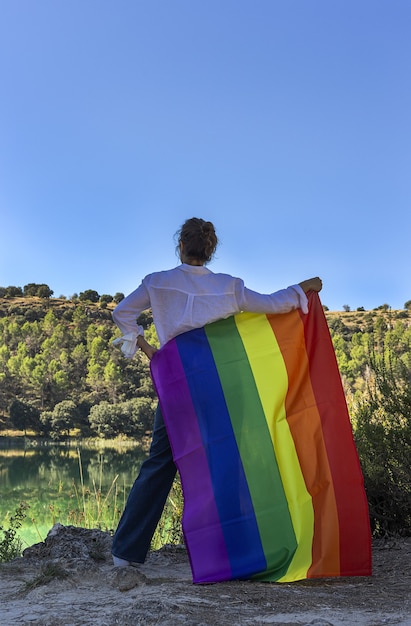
312	284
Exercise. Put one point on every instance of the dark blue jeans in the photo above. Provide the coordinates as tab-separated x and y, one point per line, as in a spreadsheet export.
147	498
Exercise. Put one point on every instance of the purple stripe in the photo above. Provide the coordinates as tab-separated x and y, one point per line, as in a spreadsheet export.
201	523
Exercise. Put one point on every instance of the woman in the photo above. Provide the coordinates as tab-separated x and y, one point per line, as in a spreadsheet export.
186	297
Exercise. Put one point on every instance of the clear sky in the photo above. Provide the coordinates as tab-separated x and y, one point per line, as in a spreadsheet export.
285	122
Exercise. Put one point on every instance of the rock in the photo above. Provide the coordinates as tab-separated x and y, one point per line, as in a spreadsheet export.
77	548
126	578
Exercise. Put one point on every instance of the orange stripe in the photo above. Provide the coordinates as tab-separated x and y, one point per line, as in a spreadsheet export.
305	426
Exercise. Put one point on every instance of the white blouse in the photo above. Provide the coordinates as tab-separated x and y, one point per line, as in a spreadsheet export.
190	296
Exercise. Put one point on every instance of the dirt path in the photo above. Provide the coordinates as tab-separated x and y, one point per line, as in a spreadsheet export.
69	580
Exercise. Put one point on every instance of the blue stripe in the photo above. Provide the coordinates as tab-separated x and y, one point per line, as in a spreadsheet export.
231	492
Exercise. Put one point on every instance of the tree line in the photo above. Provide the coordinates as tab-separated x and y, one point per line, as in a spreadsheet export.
41	290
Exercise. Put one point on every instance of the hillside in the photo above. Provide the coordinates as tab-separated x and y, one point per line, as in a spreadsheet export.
40	306
54	350
354	320
61	375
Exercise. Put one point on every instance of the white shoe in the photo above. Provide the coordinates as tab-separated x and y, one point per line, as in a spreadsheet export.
123	563
120	562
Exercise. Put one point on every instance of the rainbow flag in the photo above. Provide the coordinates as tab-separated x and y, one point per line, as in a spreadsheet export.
260	433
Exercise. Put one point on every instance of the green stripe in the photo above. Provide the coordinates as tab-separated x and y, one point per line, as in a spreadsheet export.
255	445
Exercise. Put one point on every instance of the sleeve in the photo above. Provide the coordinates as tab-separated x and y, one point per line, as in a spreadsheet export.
278	302
125	317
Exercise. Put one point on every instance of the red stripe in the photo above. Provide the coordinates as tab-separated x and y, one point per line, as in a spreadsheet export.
355	537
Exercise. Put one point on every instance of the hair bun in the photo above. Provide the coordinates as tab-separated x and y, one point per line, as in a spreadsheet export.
199	239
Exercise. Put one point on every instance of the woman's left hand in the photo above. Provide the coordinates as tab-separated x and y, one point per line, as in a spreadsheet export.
146	347
312	284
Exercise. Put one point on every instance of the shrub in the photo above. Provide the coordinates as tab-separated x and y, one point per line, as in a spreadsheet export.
90	295
118	297
382	430
105	419
10	543
106	298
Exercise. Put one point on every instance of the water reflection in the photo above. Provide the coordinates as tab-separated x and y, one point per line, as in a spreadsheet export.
53	479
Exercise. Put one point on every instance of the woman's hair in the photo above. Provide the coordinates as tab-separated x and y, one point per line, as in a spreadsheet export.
198	238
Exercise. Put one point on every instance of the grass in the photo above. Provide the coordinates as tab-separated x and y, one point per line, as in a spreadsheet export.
81	503
49	572
98	510
169	529
94	508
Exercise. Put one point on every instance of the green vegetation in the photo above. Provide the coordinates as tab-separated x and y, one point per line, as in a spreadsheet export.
60	376
10	542
382	429
373	351
92	502
169	529
60	373
92	508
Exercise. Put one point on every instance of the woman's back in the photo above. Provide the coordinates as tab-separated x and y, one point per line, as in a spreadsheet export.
191	296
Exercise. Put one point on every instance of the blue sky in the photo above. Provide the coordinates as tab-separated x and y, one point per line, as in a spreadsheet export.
285	122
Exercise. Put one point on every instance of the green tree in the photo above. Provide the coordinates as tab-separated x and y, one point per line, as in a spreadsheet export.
112	380
32	334
138	415
13	292
46	418
78	362
89	296
4	358
105	419
106	298
49	323
30	289
95	379
80	324
24	416
64	417
98	350
41	290
44	291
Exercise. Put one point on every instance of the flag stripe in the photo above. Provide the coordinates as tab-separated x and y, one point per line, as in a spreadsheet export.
255	445
260	343
229	484
346	475
305	425
201	519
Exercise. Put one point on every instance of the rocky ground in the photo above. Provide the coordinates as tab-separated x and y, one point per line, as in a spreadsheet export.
69	580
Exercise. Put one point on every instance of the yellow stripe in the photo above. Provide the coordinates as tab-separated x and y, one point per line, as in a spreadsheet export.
272	383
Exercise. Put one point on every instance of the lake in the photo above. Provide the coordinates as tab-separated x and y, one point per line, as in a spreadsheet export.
70	484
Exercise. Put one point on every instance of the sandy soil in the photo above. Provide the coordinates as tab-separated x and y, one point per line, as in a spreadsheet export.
69	580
